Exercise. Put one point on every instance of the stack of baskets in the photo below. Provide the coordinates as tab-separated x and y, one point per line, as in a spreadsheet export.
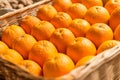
105	66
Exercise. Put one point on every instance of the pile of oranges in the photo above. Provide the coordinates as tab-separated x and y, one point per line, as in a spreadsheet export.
62	36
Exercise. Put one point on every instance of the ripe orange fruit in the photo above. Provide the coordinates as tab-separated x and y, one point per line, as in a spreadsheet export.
61	38
23	44
97	14
57	66
114	20
104	2
10	33
76	1
12	56
84	60
43	30
117	33
77	10
111	5
80	48
107	45
3	47
79	27
41	51
61	19
61	5
28	22
91	3
46	12
99	33
31	66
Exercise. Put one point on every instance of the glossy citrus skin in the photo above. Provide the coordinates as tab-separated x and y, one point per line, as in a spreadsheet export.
46	12
61	38
10	33
79	27
97	14
80	48
43	30
77	10
42	51
99	33
28	22
12	56
91	3
31	67
107	45
58	66
111	5
61	5
84	60
61	20
114	18
23	44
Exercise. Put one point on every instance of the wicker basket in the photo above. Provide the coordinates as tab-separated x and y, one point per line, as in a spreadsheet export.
105	66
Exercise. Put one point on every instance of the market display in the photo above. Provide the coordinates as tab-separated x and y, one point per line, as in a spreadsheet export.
61	36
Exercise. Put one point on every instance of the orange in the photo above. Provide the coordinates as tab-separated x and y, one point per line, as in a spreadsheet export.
12	56
57	66
99	33
77	10
111	5
79	27
114	20
76	1
97	14
28	22
61	19
23	44
10	33
61	5
31	66
104	2
80	48
91	3
61	38
43	30
3	47
46	12
117	33
84	60
107	45
41	51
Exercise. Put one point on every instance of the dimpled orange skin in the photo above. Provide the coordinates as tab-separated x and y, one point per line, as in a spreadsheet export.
42	51
107	45
43	30
31	67
61	38
61	5
10	33
77	10
80	48
23	44
58	66
61	20
28	22
97	14
99	33
79	27
12	56
114	20
46	12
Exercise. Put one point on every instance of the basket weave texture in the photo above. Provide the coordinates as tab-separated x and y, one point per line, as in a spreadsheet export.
105	66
